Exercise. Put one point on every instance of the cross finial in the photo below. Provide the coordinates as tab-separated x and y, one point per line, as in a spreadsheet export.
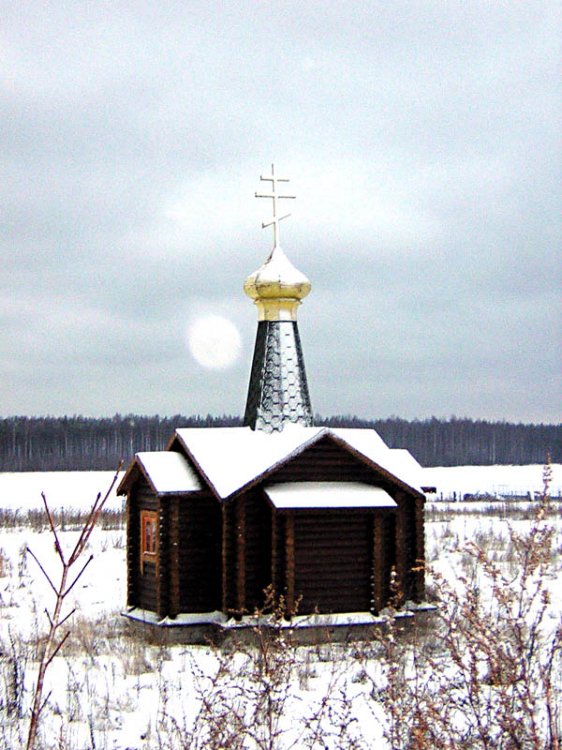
275	196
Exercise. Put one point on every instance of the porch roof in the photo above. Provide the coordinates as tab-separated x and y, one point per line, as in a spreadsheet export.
326	495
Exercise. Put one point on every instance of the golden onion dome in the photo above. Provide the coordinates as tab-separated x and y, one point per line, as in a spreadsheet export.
277	287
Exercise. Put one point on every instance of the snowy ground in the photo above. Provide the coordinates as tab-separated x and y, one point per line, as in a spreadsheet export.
113	691
68	489
490	480
77	489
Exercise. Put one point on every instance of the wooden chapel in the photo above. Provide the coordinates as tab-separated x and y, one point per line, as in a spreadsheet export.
327	518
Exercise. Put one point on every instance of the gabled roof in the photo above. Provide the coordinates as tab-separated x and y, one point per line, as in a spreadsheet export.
232	458
166	472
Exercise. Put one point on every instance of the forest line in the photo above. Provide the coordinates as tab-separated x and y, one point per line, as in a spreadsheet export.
89	443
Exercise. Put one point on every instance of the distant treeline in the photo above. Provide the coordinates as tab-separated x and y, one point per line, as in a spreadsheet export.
82	443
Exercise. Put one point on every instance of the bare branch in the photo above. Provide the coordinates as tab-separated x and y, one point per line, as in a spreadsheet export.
51	624
69	615
34	556
75	581
57	648
58	547
93	517
45	702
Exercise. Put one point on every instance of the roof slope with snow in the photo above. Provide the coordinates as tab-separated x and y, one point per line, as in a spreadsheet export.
166	472
230	458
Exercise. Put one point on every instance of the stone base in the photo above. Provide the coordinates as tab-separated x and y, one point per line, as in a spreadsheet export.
217	629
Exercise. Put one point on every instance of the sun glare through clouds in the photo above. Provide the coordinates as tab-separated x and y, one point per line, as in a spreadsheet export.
214	342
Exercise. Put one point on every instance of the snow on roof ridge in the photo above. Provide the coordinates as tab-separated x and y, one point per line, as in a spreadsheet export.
267	451
247	455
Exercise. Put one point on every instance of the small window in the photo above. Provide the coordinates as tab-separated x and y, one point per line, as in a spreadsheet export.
149	536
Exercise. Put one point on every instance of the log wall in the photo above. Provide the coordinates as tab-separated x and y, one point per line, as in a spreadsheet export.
199	557
333	558
325	461
257	549
142	583
186	577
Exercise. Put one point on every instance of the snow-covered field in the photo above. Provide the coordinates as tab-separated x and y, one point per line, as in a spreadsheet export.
63	489
490	480
112	690
77	489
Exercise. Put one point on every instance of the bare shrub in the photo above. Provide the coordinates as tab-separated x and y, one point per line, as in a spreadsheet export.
14	660
252	699
5	564
65	519
56	618
494	679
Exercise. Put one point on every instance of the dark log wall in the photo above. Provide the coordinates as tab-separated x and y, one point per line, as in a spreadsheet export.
377	542
187	576
333	561
163	566
228	554
174	510
199	555
409	543
142	586
384	558
278	557
240	559
258	549
325	461
419	575
246	552
290	563
132	550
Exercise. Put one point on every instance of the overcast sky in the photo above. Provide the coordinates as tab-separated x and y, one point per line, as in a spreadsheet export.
423	143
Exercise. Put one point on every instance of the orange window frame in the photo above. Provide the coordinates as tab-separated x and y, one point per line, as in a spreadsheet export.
149	536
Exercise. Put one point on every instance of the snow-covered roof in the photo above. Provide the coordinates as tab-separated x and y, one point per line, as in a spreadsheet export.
325	495
167	473
406	466
232	457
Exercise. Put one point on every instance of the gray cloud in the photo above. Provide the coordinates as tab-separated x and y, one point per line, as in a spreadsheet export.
423	143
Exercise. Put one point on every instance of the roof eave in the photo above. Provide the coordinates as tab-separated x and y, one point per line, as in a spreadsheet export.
373	465
177	438
123	486
278	464
127	481
327	432
137	467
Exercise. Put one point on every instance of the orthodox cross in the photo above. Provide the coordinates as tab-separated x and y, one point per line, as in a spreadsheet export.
275	196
